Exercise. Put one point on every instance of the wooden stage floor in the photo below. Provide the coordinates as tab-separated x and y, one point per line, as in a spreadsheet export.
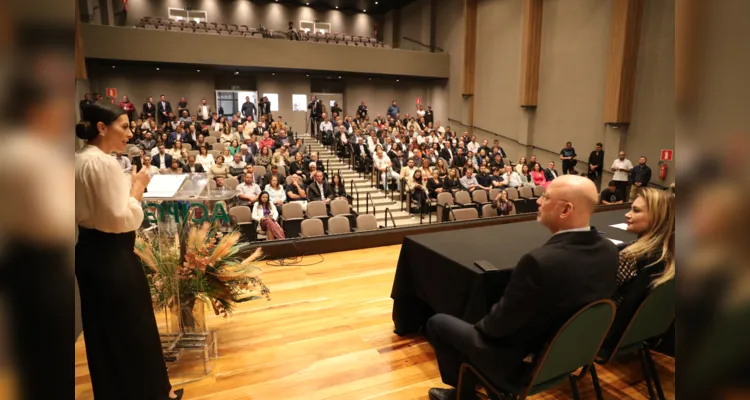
327	334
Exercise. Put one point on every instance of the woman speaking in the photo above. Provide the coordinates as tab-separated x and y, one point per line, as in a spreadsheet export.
122	340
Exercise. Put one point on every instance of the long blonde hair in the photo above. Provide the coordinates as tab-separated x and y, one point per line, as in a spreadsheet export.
660	238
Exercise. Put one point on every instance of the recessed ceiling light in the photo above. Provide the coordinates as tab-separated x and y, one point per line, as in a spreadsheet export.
113	66
339	77
397	80
236	72
307	75
157	68
337	7
273	73
307	4
198	70
369	78
376	3
364	10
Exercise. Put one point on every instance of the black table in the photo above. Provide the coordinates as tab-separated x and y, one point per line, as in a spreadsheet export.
436	271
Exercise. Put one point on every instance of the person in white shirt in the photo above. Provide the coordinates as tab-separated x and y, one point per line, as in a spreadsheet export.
420	111
621	168
511	178
342	135
204	158
326	125
383	164
473	145
266	214
248	191
276	191
123	161
150	169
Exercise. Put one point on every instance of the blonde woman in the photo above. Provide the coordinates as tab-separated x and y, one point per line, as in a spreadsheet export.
176	150
650	260
227	135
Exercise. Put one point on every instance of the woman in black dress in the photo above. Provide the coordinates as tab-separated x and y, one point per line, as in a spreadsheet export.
338	191
123	347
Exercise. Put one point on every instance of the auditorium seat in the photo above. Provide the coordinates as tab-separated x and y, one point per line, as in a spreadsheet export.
214	153
340	207
232	27
243	28
539	191
200	30
175	29
259	174
480	197
224	33
463	199
526	193
366	222
193	153
317	209
291	218
212	32
488	211
463	214
243	217
221	26
237	33
338	225
149	26
231	183
444	199
219	147
311	227
493	194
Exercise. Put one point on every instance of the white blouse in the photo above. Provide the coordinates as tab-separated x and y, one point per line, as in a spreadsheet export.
103	199
206	161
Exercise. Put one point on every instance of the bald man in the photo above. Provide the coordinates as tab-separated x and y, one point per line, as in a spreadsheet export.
575	267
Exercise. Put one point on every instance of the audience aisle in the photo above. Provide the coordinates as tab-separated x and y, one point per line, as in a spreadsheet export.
327	334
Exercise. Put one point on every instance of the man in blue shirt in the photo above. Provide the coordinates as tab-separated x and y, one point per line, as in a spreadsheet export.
393	110
568	156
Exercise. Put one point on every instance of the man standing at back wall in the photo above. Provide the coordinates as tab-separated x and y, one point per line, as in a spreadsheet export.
545	290
393	110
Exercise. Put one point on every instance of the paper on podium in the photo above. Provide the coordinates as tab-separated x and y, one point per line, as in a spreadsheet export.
164	185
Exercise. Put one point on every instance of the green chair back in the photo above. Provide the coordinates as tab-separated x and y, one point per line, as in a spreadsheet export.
653	317
574	346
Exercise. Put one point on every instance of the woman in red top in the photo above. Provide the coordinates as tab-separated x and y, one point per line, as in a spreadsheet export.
537	175
266	141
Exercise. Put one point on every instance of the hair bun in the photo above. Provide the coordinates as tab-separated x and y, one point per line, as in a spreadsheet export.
85	130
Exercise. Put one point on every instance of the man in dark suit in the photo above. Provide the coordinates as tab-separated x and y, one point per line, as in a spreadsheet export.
162	159
596	164
149	109
362	155
265	107
192	166
86	101
319	189
575	267
448	153
316	111
429	116
550	173
163	108
362	109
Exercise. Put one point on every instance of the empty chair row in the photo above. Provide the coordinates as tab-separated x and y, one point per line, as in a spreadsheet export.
337	225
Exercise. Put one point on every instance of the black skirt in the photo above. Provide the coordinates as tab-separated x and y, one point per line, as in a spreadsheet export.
123	347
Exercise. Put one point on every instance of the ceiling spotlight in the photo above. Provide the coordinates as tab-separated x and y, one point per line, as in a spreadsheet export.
369	79
397	80
364	10
198	70
113	66
339	77
273	73
307	4
307	75
337	7
157	68
376	3
236	72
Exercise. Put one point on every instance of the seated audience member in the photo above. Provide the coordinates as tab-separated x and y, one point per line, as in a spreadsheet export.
484	178
502	204
469	181
647	262
497	161
204	158
183	157
434	185
245	155
298	147
296	191
192	167
452	182
264	158
338	189
273	171
266	141
511	178
151	169
298	165
318	189
248	191
537	176
147	143
418	190
520	164
234	147
441	168
176	150
276	192
496	180
219	169
281	159
124	162
611	195
384	166
526	179
162	159
237	166
203	143
544	290
550	173
266	214
175	168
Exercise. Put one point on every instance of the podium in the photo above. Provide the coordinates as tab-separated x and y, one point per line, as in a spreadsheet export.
172	205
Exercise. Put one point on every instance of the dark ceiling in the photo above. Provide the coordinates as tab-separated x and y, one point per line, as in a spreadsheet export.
375	7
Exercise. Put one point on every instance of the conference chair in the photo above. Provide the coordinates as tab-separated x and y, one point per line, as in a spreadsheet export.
219	147
340	207
312	227
463	214
231	183
444	204
463	199
215	154
366	222
259	173
539	191
337	225
574	346
518	202
652	319
479	197
187	146
242	216
493	194
291	218
488	211
526	193
317	209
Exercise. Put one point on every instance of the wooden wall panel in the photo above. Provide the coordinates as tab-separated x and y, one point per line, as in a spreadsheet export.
623	56
530	51
470	47
80	59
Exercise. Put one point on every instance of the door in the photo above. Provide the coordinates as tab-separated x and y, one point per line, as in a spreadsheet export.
328	99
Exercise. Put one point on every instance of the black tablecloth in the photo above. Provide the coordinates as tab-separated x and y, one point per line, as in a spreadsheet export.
436	271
